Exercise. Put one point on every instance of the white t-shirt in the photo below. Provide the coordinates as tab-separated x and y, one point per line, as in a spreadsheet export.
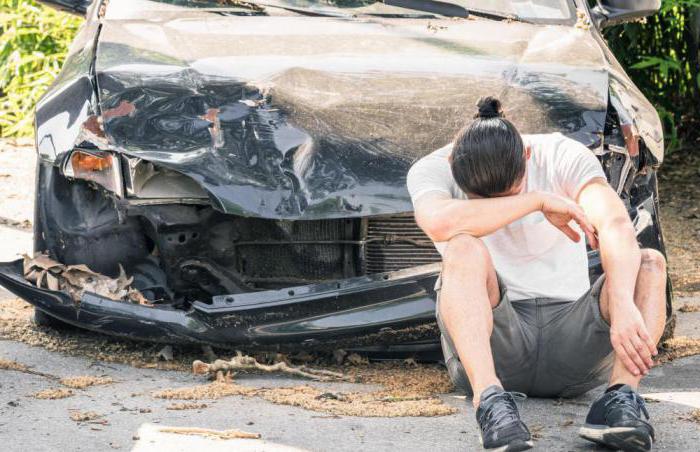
533	258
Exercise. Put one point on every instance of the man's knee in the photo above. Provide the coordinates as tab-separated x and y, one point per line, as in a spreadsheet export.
653	262
464	248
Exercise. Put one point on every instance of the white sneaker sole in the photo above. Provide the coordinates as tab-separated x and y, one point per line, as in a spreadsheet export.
515	446
628	439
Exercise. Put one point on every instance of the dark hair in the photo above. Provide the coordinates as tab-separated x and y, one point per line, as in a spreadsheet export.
488	154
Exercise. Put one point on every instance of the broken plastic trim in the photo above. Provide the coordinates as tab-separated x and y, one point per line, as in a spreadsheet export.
144	180
100	167
311	315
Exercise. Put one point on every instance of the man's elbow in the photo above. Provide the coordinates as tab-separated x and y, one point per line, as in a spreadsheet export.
435	227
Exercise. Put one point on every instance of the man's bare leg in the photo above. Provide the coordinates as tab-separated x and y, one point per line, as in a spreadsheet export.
468	294
650	299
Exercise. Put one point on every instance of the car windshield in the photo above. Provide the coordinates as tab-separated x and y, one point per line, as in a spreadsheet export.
528	10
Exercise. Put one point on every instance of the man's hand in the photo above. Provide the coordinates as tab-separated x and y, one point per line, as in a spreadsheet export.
629	337
559	211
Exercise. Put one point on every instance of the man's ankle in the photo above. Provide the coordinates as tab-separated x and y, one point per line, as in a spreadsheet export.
478	390
619	382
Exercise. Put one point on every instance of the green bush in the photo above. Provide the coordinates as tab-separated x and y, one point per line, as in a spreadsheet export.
661	55
34	41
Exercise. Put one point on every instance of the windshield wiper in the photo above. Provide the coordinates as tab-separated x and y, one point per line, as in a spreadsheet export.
450	9
431	6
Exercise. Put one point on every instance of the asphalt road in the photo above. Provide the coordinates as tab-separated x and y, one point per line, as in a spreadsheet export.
131	417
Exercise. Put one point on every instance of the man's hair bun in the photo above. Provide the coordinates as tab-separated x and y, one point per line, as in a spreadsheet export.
489	107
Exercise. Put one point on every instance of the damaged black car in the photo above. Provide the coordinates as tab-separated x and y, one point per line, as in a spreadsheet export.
233	173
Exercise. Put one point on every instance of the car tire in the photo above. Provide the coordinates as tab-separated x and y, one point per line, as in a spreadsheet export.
40	318
669	329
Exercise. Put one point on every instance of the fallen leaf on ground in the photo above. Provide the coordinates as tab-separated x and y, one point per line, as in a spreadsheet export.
693	416
6	364
356	359
84	416
53	394
186	406
84	381
678	347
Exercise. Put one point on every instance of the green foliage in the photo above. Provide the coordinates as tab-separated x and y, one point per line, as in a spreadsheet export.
33	44
661	56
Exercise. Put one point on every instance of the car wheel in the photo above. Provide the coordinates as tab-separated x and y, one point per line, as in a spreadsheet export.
669	330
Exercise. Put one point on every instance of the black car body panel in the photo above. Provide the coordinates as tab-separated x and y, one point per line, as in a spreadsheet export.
367	310
273	128
280	144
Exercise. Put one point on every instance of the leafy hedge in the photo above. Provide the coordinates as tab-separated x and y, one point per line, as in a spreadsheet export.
660	54
33	44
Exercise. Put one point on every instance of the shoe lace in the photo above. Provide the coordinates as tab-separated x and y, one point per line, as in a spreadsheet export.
628	401
503	411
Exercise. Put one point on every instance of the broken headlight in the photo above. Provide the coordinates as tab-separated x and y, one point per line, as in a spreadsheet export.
99	167
144	180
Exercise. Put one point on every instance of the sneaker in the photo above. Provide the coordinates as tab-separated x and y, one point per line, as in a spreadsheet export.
615	420
499	421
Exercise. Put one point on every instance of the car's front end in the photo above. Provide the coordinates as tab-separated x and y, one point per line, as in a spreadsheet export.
247	166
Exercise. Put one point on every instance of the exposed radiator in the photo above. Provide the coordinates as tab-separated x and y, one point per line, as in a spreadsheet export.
396	242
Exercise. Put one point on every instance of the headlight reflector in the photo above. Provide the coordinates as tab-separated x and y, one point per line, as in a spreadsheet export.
97	166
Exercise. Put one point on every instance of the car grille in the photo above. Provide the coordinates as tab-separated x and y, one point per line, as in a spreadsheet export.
273	253
396	242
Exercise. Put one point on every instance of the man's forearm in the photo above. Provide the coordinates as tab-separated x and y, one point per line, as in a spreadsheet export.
476	217
621	257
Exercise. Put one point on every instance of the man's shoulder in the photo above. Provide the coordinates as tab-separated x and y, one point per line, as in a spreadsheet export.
544	140
439	156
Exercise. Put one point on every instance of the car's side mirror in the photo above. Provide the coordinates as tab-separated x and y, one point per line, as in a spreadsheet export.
611	12
77	7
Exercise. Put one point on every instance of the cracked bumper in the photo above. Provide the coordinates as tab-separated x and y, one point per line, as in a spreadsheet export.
370	310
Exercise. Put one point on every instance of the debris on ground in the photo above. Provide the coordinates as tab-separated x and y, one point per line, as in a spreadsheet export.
693	416
567	423
536	432
6	364
678	347
54	394
186	406
242	362
404	391
74	280
218	434
356	360
213	390
689	308
424	382
339	356
19	367
84	381
166	353
372	404
83	416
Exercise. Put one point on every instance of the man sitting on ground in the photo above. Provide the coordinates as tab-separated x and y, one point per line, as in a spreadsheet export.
515	306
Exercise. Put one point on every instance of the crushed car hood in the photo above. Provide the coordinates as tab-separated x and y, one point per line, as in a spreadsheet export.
298	117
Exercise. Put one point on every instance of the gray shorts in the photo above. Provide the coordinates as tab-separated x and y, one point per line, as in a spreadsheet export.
543	347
